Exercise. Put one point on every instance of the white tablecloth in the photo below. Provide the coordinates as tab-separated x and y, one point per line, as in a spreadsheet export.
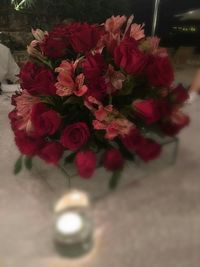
154	223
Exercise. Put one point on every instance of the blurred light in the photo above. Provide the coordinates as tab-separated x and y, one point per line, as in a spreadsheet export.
189	28
155	16
19	5
191	12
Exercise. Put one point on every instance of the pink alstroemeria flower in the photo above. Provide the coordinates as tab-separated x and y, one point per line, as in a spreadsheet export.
24	104
102	113
108	119
120	126
67	83
33	50
137	31
113	126
113	34
179	118
114	24
154	47
114	79
67	67
39	34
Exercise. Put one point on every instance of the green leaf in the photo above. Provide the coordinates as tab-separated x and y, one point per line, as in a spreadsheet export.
72	100
124	151
128	86
70	158
28	161
114	180
18	165
127	154
127	110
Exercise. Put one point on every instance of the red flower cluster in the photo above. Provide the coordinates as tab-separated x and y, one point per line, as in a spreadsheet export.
86	163
129	57
44	121
63	37
89	88
145	148
75	136
37	80
159	71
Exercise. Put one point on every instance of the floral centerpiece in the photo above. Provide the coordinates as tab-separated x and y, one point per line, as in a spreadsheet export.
95	89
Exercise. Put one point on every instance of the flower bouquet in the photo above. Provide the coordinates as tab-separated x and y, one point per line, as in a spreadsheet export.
91	90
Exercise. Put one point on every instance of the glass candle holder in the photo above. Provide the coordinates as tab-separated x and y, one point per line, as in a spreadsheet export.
73	224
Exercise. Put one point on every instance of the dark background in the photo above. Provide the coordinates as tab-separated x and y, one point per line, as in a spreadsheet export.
45	13
143	10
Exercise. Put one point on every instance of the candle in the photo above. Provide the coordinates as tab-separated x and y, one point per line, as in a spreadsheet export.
73	198
73	224
69	223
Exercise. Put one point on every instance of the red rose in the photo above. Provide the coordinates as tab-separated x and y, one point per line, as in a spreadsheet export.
54	47
159	71
13	97
56	42
97	88
170	128
113	160
27	73
75	136
148	110
94	66
51	152
84	37
165	108
44	120
132	140
37	80
179	95
175	123
85	163
129	57
13	119
111	42
148	150
28	145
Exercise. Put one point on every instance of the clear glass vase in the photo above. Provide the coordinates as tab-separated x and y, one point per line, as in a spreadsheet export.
65	177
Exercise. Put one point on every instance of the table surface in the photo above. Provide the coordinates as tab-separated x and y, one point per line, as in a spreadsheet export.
153	223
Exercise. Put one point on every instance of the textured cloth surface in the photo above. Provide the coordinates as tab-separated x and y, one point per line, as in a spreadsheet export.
153	223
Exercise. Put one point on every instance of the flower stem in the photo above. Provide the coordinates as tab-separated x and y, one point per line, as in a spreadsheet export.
110	99
69	182
66	174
